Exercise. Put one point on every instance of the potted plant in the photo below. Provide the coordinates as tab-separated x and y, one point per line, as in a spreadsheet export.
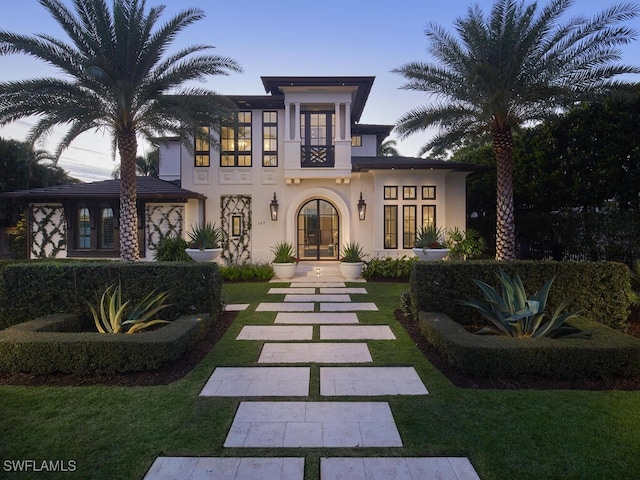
204	242
284	262
430	244
351	260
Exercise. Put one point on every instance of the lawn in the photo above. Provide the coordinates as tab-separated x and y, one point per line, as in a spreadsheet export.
117	432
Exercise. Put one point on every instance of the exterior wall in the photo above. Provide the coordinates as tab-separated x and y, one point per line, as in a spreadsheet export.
47	231
369	147
170	160
164	219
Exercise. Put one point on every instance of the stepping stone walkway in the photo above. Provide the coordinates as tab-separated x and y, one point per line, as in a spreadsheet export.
316	323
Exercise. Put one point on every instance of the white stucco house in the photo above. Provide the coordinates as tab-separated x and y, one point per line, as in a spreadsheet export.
296	166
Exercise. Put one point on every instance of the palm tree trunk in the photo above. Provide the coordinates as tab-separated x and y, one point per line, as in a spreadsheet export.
505	224
128	147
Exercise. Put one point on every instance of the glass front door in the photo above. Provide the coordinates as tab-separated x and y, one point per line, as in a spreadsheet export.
318	231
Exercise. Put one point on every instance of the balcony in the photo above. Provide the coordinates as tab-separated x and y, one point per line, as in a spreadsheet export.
317	156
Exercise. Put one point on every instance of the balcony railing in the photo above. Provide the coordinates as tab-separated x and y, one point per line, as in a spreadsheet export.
317	156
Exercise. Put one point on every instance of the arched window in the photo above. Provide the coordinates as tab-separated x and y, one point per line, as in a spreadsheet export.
106	228
84	228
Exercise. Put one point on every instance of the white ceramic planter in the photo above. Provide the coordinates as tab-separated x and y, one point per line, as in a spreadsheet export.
284	270
351	271
206	255
431	254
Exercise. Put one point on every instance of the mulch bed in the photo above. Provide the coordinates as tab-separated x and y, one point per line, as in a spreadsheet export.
163	376
526	382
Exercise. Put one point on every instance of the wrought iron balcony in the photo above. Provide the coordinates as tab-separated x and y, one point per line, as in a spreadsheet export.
317	156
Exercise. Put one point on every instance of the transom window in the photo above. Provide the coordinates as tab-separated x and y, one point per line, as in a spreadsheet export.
235	142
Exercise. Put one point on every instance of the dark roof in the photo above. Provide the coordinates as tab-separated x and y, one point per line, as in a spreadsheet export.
273	85
363	164
262	102
149	188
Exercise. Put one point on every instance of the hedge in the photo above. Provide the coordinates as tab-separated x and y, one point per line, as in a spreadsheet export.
599	290
49	345
33	289
608	353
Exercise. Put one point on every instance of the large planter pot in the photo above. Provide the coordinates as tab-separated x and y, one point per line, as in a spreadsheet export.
351	271
431	254
284	270
206	255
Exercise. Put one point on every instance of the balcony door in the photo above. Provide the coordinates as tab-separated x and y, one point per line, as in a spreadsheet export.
316	134
318	231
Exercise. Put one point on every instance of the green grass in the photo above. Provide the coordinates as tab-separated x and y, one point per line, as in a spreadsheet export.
114	432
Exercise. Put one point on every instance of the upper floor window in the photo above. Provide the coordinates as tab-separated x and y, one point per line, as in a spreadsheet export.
202	149
356	140
316	134
235	142
429	192
269	139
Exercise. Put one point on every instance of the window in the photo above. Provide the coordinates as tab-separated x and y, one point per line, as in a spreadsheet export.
107	225
390	193
316	134
429	192
408	226
202	149
356	140
428	216
409	193
390	226
84	228
235	142
269	139
236	225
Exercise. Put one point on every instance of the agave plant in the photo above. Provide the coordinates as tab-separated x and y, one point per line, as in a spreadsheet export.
512	314
284	252
109	318
352	252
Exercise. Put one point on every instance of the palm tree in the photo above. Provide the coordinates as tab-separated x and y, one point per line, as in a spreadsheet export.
118	77
146	166
388	148
519	64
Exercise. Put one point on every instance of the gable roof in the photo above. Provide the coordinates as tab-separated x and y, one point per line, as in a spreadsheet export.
364	164
149	188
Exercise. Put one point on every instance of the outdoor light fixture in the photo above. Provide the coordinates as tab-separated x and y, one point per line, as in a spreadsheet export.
273	207
362	208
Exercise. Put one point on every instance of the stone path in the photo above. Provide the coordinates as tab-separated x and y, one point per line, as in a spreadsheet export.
316	323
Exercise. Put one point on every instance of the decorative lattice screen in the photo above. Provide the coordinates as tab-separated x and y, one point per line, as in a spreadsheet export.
163	220
236	248
48	231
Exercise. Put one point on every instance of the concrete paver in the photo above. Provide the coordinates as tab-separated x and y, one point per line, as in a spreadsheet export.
316	284
346	290
236	307
370	381
316	318
285	307
356	332
228	468
315	353
397	468
257	382
317	298
348	307
276	332
313	424
286	290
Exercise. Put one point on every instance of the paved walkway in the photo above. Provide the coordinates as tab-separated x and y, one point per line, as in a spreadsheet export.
339	342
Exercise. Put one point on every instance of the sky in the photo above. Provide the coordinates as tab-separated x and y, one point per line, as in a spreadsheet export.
277	38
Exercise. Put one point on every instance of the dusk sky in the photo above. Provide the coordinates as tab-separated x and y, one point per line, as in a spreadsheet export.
279	37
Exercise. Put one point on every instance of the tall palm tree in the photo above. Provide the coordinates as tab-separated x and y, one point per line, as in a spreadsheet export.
146	166
117	76
516	65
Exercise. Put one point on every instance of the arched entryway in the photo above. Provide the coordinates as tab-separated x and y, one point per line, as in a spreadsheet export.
318	231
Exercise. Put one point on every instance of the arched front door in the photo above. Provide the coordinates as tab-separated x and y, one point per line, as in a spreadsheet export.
318	231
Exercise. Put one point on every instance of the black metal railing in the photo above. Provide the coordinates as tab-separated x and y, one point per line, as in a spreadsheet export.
317	156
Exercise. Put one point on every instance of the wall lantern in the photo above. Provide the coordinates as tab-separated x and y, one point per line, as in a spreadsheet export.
362	208
273	207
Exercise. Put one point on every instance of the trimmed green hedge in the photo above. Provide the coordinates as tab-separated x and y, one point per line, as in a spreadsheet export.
48	345
600	290
608	353
32	289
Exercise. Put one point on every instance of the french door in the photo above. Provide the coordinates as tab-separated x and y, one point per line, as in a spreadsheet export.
318	231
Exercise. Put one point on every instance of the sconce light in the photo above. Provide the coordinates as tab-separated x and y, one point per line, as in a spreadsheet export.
273	207
362	208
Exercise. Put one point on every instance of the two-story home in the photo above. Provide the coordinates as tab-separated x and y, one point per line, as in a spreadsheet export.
298	166
295	166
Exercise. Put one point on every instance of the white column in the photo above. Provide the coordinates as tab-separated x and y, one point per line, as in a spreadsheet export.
287	121
347	120
297	122
338	133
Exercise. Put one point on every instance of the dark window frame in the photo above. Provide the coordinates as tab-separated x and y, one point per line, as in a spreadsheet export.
390	237
409	196
356	140
425	192
409	235
391	196
268	154
429	224
236	127
202	149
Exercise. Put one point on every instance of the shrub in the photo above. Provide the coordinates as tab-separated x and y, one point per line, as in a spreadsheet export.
247	272
172	249
205	236
32	289
599	290
388	268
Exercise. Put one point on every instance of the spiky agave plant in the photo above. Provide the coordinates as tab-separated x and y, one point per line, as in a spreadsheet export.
109	315
512	314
